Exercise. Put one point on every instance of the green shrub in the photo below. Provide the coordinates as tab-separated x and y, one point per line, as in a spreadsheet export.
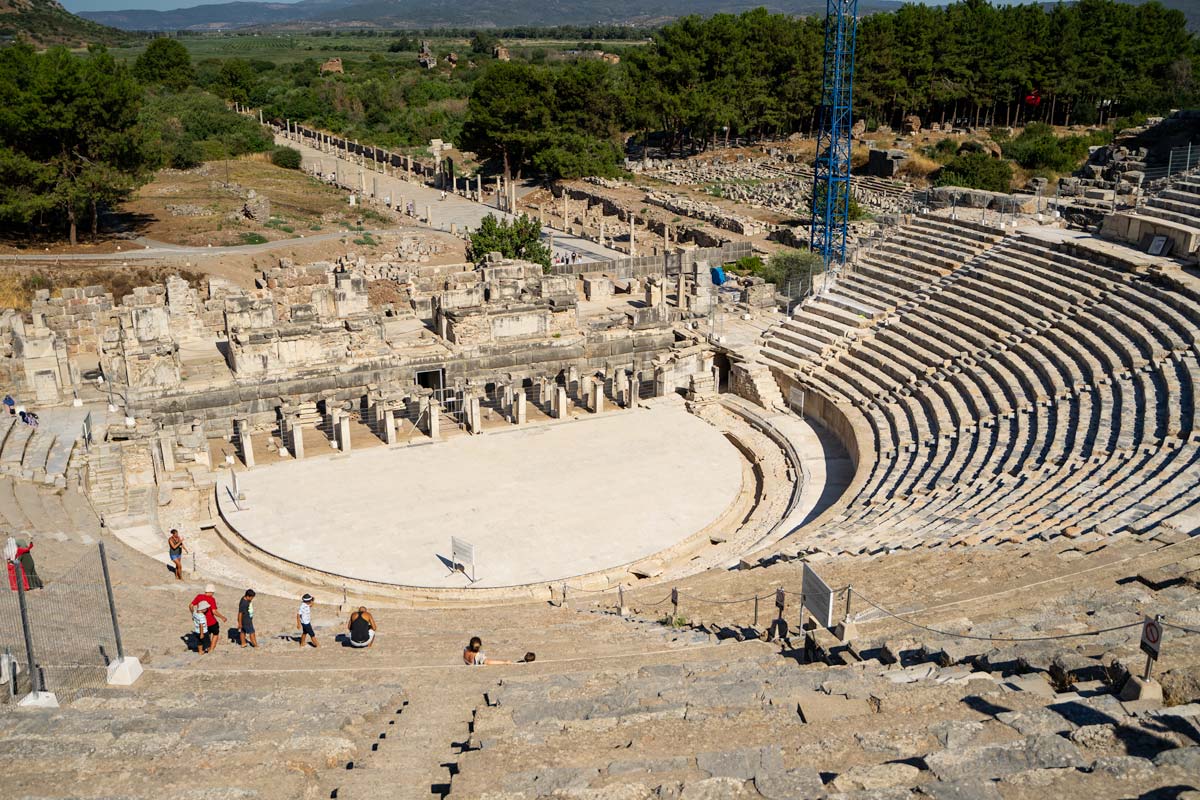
750	265
976	171
286	157
253	238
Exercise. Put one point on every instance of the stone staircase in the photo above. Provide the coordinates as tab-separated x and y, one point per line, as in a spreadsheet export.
105	479
756	384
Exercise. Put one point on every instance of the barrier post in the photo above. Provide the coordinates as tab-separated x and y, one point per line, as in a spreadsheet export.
112	603
674	604
35	677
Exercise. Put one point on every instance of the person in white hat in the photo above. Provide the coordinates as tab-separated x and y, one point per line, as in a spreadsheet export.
211	614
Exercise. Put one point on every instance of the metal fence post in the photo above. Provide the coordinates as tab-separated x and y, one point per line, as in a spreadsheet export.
112	604
35	677
1170	163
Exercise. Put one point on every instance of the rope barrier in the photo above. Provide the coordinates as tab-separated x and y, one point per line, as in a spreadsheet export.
727	602
871	602
1178	627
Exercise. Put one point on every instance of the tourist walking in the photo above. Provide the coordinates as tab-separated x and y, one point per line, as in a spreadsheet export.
176	549
362	628
304	621
245	620
211	614
10	404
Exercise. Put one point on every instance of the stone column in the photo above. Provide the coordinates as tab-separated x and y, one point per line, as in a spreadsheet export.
474	415
632	237
560	394
479	188
166	449
374	186
434	419
498	195
660	382
343	433
566	211
389	426
597	397
519	409
573	382
296	438
506	404
429	215
245	445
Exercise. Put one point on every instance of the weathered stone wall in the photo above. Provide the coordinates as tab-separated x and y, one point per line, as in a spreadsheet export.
77	316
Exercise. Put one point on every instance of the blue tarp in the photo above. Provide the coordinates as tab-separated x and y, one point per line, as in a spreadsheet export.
718	275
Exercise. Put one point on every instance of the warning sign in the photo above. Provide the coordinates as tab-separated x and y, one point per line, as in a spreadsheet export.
1151	637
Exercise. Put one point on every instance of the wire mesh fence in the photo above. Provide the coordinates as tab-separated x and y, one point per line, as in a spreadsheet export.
62	636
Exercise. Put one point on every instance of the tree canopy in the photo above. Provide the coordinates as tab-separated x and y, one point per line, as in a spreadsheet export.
167	62
70	139
518	238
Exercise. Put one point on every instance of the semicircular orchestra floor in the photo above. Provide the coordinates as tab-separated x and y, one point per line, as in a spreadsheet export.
539	503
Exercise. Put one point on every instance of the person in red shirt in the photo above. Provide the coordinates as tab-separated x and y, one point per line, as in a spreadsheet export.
211	615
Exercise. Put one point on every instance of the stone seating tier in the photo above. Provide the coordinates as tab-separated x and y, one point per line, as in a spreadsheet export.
1031	390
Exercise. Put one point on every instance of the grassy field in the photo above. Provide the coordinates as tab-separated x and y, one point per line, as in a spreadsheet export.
290	48
202	206
277	48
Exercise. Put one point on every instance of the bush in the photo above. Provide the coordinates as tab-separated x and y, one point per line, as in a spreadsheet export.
1038	148
750	265
791	271
976	171
286	157
193	126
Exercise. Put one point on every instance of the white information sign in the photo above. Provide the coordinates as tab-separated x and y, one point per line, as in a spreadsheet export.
462	553
818	597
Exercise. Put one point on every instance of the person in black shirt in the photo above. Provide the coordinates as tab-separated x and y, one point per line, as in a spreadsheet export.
246	619
362	628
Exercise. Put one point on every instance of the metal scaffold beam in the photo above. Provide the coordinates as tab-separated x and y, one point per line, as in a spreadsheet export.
831	186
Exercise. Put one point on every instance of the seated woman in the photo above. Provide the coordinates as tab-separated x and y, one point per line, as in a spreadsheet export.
473	655
362	628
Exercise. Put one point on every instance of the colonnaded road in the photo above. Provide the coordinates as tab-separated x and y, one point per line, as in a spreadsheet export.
453	209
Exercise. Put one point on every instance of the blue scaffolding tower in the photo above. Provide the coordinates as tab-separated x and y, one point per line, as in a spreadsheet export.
831	186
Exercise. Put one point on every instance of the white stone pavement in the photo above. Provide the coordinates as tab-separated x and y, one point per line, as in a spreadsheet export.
539	503
445	211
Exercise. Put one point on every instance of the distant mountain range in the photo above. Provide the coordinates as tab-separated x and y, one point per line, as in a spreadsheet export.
447	13
469	13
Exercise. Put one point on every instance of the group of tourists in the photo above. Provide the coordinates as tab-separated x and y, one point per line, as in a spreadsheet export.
17	410
360	629
18	555
207	619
